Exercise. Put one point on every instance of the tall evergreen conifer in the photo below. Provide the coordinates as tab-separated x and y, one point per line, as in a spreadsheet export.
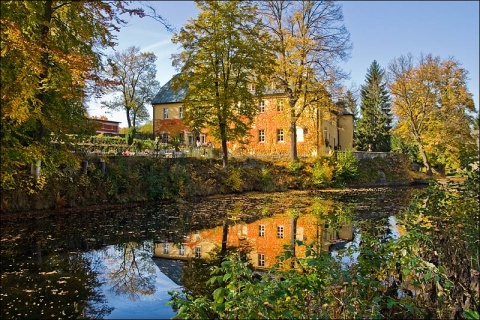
374	124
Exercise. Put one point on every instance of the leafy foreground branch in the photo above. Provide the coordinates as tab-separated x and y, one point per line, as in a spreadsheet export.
429	271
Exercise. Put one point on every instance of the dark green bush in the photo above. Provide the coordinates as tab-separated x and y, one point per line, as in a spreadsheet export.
346	166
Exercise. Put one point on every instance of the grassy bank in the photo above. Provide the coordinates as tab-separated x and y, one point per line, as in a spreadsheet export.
122	180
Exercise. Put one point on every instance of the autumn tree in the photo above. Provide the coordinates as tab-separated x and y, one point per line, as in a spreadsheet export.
225	53
50	53
131	77
434	108
373	126
146	128
309	39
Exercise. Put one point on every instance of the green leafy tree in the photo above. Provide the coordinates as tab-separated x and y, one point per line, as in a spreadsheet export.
224	51
130	135
434	109
373	126
146	128
309	38
400	146
50	53
131	78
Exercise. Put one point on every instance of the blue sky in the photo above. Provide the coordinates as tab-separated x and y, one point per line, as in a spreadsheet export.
379	30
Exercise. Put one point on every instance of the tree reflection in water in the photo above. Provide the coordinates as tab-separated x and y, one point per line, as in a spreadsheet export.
131	271
64	285
68	265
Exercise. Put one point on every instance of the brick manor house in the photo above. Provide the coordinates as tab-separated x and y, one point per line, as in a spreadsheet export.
318	131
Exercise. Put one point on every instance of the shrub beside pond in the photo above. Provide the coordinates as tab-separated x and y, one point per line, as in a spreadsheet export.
121	180
430	271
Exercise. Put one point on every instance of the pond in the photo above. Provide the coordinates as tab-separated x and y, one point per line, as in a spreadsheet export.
121	263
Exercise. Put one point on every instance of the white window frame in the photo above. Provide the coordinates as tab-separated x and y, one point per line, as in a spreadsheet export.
198	252
181	250
261	135
180	112
280	232
280	135
280	105
273	85
165	113
166	248
261	260
261	230
262	106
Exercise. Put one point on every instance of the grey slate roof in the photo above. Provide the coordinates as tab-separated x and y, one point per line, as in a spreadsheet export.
173	269
347	111
168	95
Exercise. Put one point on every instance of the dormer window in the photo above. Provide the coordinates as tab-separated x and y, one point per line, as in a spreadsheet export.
279	105
166	248
273	85
251	87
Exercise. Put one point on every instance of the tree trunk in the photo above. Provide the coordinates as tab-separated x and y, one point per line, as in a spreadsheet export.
321	138
423	153
293	121
42	96
293	141
129	122
36	169
225	153
293	235
223	251
223	134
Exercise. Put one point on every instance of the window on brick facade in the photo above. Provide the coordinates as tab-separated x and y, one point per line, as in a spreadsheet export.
261	135
198	252
280	232
262	106
280	264
261	230
280	105
280	135
165	113
261	260
164	137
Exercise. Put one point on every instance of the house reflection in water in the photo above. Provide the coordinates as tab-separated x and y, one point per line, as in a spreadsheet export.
266	238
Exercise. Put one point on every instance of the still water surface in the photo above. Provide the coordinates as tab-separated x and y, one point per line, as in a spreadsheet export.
112	263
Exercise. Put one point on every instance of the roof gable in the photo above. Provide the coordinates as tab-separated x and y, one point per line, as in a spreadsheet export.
168	95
